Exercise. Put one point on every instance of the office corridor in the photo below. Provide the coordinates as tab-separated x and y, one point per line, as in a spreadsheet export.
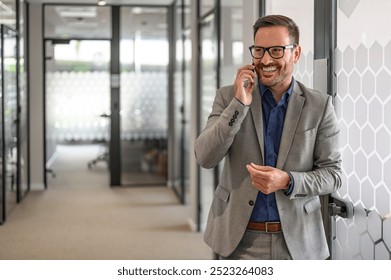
81	217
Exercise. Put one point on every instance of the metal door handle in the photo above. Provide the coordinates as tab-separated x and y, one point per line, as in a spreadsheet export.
340	207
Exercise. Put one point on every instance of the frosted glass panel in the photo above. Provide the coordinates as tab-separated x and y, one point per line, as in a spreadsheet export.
77	94
75	103
143	105
304	18
363	102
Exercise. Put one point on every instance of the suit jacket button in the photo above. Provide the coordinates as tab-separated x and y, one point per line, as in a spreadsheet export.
230	123
236	113
251	203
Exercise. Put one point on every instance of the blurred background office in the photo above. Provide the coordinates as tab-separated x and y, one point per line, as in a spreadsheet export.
101	102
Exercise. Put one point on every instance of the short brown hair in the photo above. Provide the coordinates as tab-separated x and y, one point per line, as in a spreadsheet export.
279	20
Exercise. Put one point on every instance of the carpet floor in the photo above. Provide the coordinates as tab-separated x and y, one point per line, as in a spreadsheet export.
80	217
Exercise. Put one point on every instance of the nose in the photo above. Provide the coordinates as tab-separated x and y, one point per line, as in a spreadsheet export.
266	59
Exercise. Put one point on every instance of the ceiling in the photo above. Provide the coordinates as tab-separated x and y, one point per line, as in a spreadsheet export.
62	20
94	22
109	2
90	21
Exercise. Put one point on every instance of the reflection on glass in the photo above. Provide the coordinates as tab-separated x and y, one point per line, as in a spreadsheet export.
8	13
9	119
2	200
82	22
187	49
178	165
231	43
208	91
206	6
23	139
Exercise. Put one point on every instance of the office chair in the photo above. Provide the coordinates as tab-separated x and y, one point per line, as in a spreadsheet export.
104	155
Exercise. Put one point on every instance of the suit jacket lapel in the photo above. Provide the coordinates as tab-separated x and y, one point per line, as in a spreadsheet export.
295	107
256	113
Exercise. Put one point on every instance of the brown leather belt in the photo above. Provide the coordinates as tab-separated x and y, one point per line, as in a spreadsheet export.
265	226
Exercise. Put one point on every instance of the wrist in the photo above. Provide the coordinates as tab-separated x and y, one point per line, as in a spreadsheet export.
288	190
287	180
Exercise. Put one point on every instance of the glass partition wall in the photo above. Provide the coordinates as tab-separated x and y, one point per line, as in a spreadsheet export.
9	123
144	58
178	164
187	84
77	91
77	97
179	101
80	70
220	27
13	112
23	103
208	86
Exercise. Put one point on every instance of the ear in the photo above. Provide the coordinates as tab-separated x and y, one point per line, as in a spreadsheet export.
296	53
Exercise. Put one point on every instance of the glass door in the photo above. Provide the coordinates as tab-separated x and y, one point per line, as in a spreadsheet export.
208	86
77	93
144	57
363	86
77	108
9	121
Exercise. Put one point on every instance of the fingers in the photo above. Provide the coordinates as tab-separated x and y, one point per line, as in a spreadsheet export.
261	167
244	84
246	73
263	178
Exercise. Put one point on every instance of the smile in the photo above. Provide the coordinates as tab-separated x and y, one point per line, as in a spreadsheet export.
269	69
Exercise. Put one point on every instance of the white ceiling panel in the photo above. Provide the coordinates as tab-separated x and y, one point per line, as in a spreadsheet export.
109	2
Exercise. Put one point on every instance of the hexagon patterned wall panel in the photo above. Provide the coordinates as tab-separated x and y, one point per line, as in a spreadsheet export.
363	105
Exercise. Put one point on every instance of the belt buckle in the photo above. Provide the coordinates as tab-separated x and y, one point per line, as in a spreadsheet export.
267	225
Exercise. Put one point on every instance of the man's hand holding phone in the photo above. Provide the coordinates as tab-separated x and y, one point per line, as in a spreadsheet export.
244	84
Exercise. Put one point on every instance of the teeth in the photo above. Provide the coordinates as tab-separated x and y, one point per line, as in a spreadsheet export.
269	69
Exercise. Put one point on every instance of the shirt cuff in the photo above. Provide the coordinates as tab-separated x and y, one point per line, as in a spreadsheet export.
290	186
240	101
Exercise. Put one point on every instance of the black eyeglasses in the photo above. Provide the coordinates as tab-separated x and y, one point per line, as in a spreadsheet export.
274	51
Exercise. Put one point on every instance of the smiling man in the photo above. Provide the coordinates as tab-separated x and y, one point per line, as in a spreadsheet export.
281	149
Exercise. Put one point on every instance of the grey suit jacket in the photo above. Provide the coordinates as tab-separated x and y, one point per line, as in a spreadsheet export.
309	149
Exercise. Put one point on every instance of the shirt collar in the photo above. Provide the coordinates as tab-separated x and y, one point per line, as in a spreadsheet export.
263	89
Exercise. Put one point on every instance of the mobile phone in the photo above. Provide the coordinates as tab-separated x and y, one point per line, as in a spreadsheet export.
246	81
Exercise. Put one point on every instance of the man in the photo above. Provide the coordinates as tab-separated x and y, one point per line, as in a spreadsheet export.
280	144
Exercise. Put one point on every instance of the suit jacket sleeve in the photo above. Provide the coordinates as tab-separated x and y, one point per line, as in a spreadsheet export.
325	175
223	123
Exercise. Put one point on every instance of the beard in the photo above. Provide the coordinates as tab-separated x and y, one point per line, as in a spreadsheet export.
278	77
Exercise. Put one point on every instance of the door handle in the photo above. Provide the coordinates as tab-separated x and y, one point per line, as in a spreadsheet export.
340	207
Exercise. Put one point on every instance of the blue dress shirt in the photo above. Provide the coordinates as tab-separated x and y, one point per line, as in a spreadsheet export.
265	208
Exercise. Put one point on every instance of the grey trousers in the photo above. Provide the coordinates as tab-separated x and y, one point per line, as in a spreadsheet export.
258	245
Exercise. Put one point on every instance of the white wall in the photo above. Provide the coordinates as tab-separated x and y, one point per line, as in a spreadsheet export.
36	97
